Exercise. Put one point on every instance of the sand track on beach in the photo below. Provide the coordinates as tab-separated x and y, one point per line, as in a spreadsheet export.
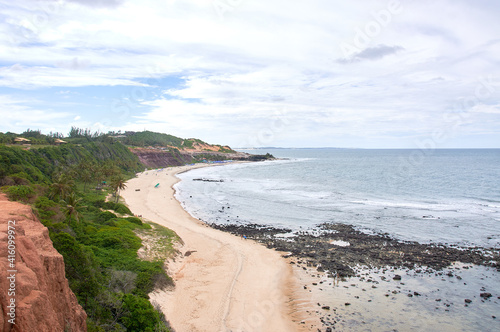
226	283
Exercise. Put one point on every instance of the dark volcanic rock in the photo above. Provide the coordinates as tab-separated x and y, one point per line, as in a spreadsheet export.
208	180
485	295
373	250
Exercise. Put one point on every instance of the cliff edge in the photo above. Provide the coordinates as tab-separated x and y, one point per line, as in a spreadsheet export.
163	157
32	276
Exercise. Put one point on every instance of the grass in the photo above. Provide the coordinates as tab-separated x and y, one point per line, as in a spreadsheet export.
158	242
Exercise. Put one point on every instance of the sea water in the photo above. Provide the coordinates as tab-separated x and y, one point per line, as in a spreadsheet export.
437	196
449	197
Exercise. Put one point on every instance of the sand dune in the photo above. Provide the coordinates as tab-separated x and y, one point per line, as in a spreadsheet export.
226	283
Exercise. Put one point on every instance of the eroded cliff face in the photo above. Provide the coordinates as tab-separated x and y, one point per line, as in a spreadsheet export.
44	301
157	158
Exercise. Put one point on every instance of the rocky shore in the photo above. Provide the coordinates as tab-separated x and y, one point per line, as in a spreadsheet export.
337	248
359	270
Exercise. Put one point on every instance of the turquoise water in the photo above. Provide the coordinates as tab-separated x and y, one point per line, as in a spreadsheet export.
439	196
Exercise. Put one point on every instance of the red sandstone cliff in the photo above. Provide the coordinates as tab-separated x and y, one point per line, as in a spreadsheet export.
156	158
44	301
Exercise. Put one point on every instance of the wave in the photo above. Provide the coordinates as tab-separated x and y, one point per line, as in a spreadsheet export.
307	191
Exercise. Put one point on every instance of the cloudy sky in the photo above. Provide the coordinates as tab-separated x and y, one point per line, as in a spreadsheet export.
291	73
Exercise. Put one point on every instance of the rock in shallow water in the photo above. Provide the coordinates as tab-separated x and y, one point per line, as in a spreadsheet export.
485	295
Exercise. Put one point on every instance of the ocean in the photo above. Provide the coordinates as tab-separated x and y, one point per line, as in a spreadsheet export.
449	197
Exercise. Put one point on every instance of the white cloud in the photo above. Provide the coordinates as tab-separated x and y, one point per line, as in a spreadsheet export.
17	117
261	57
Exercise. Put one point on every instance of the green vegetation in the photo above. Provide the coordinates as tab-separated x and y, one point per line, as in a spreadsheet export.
20	166
149	138
35	137
67	187
225	149
20	193
159	242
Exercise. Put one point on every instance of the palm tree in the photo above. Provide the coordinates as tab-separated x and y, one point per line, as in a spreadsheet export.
85	171
110	169
72	206
118	183
61	187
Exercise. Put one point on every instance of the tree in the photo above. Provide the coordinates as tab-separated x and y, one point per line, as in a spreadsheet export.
61	187
85	171
72	205
118	183
109	169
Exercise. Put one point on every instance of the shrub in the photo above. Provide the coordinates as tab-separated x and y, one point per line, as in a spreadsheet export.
122	209
112	237
46	208
21	178
98	202
104	216
140	315
134	220
82	268
117	207
111	223
20	193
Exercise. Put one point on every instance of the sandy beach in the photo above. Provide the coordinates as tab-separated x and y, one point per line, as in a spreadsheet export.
224	282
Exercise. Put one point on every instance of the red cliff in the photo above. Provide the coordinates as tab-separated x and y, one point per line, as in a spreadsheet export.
156	158
43	299
168	156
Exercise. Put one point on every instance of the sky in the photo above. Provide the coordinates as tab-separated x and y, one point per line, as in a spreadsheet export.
252	73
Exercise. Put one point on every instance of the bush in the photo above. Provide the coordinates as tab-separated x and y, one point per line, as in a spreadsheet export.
140	315
47	210
151	275
111	223
98	202
20	193
102	217
21	178
122	209
117	207
92	209
134	220
82	267
116	238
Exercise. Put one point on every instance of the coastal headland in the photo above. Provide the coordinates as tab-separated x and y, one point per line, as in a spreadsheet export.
223	282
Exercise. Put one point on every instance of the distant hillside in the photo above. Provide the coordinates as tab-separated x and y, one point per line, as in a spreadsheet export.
149	138
156	150
36	165
131	151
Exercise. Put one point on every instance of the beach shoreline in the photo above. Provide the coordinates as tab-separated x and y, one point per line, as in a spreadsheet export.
223	282
290	286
